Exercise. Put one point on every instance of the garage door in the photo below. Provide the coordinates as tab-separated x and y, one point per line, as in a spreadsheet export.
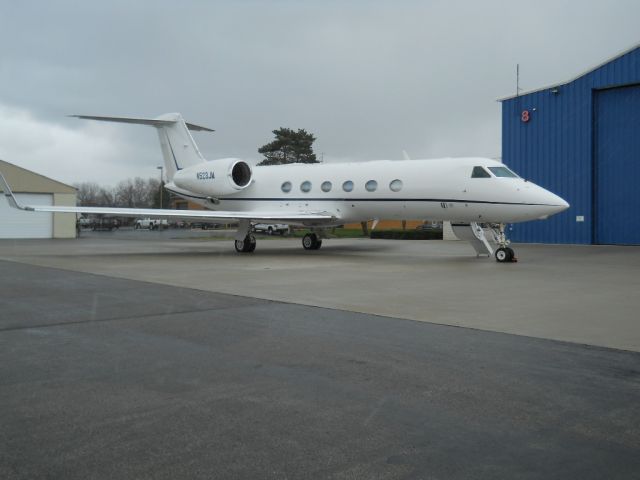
15	223
617	166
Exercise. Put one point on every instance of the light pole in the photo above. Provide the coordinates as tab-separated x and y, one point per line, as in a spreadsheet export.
160	168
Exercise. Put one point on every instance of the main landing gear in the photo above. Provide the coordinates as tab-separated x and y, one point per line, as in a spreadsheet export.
245	242
504	253
311	242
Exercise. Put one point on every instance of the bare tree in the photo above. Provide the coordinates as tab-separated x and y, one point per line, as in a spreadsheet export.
153	192
88	193
130	193
106	197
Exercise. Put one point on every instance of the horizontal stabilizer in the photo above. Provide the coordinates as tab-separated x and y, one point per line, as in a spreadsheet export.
153	122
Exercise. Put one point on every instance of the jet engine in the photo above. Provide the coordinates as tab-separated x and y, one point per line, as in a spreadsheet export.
216	178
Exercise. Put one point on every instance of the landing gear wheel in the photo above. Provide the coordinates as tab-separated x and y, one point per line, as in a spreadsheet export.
247	245
512	253
308	241
504	254
252	244
311	242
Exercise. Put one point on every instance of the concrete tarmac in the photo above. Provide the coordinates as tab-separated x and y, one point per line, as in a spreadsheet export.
103	377
581	294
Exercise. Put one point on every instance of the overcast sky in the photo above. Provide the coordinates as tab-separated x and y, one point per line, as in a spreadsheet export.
368	78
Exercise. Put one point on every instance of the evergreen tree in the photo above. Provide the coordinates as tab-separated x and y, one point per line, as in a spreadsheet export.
289	147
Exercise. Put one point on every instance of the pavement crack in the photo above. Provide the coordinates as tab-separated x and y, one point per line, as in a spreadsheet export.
112	319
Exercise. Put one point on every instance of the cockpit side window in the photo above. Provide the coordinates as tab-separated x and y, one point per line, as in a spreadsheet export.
502	172
480	172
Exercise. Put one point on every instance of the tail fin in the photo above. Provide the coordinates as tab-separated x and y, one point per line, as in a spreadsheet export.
178	147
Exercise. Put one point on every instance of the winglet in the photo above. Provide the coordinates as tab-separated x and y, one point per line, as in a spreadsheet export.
405	155
9	194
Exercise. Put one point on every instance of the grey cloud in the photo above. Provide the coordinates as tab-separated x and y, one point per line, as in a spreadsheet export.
368	78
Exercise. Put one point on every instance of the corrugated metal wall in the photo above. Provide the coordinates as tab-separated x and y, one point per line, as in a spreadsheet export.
555	147
617	165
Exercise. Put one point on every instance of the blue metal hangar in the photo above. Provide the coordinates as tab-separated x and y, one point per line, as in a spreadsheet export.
581	140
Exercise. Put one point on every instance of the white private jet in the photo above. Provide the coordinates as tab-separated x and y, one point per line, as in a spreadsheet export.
469	192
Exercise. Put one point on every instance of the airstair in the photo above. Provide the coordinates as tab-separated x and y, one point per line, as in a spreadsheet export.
475	235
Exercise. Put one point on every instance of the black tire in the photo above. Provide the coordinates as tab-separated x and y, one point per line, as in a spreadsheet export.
512	253
282	233
504	255
309	241
270	231
252	244
247	245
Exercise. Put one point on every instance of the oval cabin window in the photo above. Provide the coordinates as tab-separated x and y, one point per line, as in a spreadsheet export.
371	186
286	187
305	186
395	185
326	186
347	186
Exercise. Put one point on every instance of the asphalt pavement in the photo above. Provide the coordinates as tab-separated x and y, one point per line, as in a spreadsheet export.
103	377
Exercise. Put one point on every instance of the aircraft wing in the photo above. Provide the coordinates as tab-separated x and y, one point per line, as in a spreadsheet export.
293	217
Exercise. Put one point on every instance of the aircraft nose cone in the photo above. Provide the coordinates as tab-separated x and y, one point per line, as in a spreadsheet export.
557	203
562	204
549	202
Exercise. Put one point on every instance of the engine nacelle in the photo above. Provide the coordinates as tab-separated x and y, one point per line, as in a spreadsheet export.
216	178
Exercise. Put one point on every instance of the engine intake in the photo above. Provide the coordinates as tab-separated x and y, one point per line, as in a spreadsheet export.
241	174
216	178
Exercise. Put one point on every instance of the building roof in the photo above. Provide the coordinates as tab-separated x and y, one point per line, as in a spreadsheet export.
586	72
25	181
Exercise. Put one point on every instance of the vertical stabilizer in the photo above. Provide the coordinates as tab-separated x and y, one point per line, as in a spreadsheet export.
178	147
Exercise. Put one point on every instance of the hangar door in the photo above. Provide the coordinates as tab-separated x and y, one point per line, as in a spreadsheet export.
617	166
15	223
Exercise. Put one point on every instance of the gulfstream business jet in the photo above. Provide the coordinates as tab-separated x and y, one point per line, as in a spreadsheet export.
469	192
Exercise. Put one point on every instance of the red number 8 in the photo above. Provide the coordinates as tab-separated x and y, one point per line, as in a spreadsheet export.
525	116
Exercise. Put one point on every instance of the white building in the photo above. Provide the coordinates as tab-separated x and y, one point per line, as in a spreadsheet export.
32	188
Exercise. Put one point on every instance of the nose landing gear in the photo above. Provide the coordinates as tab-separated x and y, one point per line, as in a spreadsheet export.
504	253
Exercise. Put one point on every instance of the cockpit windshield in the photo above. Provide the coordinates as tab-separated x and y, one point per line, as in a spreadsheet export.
503	172
480	172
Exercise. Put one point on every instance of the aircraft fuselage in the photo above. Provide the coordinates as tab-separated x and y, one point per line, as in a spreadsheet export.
436	189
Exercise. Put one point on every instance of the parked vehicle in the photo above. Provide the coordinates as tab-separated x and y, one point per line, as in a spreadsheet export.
151	223
105	223
205	225
84	222
271	228
430	226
